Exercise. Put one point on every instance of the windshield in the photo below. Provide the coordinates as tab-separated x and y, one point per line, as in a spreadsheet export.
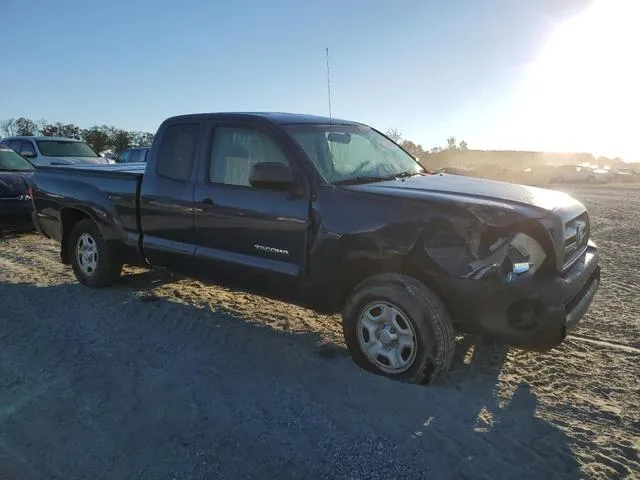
65	148
10	160
353	153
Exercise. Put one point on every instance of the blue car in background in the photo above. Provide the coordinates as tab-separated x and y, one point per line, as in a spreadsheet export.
133	155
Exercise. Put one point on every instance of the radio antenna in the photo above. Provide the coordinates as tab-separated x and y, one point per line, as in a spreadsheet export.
328	82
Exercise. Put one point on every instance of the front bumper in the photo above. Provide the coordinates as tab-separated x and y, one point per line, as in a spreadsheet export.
536	313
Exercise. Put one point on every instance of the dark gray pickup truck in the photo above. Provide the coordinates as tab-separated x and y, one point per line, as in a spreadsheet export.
343	217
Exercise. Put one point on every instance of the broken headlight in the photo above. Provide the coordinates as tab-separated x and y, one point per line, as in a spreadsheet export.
509	260
524	257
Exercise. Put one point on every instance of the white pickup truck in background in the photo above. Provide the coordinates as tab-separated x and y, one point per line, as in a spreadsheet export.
54	151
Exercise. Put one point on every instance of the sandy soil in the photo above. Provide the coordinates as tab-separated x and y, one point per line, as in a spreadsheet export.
161	377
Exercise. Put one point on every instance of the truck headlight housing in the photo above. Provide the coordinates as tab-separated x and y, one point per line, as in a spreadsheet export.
524	257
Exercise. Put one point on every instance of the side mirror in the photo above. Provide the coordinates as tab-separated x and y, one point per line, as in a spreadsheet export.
271	175
28	153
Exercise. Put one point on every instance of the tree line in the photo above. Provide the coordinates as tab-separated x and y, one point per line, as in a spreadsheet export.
417	151
98	137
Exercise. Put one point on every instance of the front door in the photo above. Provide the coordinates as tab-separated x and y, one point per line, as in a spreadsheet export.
238	224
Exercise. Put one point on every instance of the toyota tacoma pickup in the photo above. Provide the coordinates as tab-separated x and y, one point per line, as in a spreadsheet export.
348	220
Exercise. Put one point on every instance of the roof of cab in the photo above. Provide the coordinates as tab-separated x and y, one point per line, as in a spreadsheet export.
275	117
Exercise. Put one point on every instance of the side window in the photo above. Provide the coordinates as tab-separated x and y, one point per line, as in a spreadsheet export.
124	156
27	149
177	151
235	150
134	156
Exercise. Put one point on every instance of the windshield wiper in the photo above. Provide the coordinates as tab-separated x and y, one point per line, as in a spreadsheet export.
363	179
408	174
371	178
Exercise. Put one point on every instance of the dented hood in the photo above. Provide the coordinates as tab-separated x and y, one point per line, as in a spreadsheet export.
457	189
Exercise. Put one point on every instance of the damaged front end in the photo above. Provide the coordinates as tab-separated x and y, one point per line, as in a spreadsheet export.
489	243
499	275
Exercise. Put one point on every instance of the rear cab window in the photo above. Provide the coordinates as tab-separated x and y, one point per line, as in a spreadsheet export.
177	151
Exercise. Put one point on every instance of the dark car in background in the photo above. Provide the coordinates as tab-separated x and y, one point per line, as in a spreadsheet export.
15	200
134	155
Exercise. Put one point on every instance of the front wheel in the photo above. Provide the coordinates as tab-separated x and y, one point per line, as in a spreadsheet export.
395	326
94	263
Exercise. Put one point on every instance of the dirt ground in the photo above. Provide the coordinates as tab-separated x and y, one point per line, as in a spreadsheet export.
167	378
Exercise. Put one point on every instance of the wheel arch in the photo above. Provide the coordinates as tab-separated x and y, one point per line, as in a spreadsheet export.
69	217
357	272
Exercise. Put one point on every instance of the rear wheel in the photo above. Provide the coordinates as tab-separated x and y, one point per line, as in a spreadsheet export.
395	326
94	263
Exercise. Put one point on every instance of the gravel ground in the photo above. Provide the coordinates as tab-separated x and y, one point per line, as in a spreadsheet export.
168	378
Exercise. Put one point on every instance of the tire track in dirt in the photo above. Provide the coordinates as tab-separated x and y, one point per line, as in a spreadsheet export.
619	346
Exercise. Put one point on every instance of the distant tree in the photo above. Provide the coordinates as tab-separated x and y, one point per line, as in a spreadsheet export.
24	126
141	139
6	128
413	149
59	129
452	144
395	135
18	126
97	138
121	140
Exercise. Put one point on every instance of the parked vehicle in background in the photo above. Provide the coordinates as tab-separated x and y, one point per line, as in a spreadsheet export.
133	155
43	151
578	174
346	220
465	172
15	200
624	175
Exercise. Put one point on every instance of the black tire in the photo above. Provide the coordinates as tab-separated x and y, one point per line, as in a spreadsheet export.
108	267
434	333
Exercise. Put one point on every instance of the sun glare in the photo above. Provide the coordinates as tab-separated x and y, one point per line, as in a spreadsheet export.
582	93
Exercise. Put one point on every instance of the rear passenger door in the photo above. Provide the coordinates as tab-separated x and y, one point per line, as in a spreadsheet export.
166	200
238	224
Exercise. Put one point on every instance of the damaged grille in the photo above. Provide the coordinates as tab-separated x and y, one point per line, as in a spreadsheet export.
576	238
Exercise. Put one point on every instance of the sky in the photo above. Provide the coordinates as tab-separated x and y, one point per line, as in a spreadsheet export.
553	75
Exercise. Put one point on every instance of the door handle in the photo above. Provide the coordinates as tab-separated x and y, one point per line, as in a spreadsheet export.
207	201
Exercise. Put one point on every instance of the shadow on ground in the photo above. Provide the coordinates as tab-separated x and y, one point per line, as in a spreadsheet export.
106	384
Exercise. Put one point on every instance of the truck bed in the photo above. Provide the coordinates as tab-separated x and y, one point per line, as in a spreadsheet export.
109	194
